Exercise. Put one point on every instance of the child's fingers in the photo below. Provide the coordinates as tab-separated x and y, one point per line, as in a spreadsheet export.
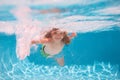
73	34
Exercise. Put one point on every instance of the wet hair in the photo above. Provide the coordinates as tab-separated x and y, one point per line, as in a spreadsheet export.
65	39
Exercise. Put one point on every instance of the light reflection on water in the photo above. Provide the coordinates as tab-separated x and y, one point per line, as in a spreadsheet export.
23	70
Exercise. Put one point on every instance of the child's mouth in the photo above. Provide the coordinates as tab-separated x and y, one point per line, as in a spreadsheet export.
58	38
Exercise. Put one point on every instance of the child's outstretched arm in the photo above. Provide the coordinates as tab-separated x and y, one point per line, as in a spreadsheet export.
41	41
72	35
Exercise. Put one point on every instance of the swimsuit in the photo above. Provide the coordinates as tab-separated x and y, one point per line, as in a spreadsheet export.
44	54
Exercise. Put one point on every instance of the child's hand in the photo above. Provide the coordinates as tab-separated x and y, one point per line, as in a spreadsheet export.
73	34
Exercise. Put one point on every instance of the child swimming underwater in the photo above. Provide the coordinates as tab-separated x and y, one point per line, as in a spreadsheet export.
53	44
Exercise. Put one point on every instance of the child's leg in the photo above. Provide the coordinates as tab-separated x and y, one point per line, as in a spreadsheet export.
60	61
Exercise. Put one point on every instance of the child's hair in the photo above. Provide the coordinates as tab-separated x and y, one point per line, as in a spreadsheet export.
65	39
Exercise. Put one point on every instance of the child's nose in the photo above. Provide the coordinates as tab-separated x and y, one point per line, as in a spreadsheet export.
59	34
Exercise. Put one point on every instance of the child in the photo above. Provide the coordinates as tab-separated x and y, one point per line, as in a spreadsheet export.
53	44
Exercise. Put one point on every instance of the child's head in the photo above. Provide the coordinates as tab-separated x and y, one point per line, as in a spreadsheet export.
58	35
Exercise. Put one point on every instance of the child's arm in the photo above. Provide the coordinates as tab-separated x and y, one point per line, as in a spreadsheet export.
41	41
72	35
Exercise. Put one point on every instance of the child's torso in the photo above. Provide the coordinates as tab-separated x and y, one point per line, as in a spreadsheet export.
53	49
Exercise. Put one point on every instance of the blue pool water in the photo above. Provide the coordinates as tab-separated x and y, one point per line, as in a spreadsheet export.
94	54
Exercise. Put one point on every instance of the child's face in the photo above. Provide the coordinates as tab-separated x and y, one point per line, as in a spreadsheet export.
57	35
